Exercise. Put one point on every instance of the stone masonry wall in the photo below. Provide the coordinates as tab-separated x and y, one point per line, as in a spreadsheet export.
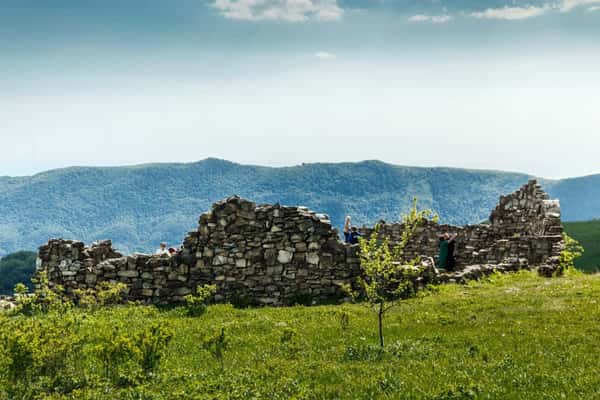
275	255
525	229
267	254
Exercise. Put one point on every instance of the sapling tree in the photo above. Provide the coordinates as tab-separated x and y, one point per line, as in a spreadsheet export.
572	250
387	275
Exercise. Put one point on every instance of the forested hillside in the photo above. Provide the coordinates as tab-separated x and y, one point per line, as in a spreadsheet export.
16	268
588	234
140	206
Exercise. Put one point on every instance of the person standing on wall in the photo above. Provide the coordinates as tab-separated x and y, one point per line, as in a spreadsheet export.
347	228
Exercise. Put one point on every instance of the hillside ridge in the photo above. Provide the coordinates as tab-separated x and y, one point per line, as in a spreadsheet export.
141	205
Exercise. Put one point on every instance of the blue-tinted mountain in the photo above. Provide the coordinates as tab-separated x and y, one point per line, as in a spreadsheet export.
142	205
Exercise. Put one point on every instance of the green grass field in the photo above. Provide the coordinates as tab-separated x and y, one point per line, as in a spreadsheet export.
588	234
512	337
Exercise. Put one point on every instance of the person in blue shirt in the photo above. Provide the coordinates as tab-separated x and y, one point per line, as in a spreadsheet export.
354	235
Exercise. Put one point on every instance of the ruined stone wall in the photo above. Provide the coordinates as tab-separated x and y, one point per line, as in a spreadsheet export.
276	255
525	229
263	255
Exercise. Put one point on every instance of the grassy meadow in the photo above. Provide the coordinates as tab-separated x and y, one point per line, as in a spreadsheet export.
511	337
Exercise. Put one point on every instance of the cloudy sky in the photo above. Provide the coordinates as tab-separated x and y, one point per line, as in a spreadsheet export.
493	84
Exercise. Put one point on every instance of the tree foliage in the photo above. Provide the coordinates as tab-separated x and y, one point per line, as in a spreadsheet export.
16	268
387	275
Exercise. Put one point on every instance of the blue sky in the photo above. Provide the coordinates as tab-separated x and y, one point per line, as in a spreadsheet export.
496	84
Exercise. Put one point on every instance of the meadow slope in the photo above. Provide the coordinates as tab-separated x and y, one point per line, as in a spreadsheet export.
512	337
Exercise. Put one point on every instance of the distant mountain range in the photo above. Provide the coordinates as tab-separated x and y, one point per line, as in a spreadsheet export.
140	206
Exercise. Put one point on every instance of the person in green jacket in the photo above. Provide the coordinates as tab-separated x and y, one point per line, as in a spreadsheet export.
444	256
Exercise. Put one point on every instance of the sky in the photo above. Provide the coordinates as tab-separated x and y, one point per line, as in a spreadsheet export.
488	84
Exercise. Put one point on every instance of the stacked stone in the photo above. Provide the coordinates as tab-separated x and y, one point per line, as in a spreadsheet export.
69	262
7	303
74	266
276	255
525	231
529	211
271	253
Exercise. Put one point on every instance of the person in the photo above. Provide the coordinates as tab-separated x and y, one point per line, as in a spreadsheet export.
451	260
354	235
172	250
162	250
445	240
347	227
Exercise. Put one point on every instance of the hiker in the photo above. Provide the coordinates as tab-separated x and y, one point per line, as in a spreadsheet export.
162	250
347	227
354	235
444	260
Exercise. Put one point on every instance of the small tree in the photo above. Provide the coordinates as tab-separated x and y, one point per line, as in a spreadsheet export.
572	250
387	276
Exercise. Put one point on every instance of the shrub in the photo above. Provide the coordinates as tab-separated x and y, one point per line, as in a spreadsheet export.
196	305
216	344
571	251
344	320
37	355
110	293
150	345
43	300
114	351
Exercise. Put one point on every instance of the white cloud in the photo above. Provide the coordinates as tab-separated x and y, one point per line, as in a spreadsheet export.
594	8
568	5
436	19
323	55
513	13
284	10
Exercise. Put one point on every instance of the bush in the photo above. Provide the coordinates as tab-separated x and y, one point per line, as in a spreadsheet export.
43	300
570	253
150	345
38	356
196	305
105	294
216	344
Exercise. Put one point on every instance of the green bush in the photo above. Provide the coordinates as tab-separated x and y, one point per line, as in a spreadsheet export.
196	305
43	300
570	253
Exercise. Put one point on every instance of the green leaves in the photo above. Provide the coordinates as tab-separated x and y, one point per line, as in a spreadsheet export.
386	275
196	305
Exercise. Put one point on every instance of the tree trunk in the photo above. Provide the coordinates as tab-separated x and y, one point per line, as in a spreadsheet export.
380	315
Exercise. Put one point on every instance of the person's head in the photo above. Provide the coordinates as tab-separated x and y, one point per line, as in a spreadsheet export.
163	246
347	222
354	229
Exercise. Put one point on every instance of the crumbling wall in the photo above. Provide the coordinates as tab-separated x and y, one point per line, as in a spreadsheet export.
524	229
276	255
268	254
